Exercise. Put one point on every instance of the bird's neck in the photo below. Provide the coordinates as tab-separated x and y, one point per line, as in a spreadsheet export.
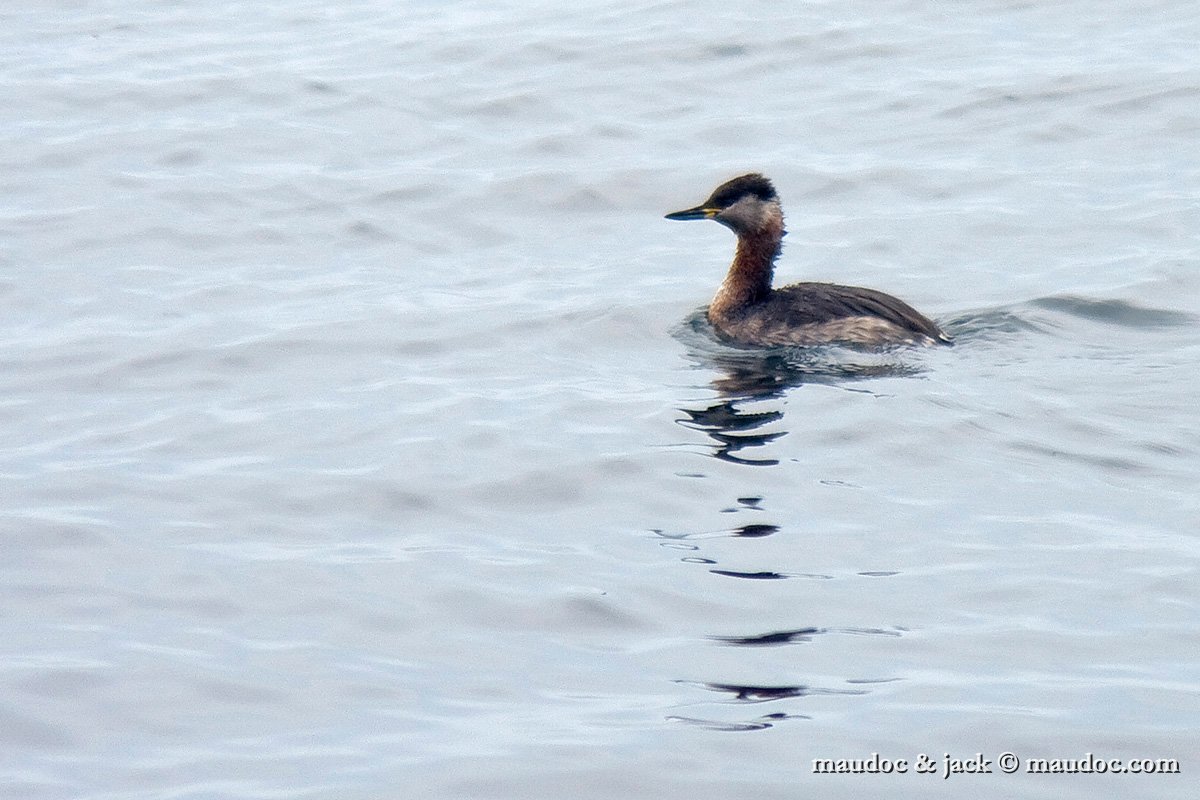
749	278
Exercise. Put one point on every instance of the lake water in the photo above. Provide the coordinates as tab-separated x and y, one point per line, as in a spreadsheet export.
361	437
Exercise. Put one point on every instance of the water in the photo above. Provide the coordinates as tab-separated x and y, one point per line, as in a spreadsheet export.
361	439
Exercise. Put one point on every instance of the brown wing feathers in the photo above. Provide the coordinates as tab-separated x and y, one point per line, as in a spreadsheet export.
823	302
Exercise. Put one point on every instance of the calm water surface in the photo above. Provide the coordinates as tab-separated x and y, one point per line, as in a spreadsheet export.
361	437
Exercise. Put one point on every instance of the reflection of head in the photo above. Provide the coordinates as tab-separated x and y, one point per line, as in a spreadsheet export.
732	429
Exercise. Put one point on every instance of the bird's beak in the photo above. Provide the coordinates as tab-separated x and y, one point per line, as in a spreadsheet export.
699	212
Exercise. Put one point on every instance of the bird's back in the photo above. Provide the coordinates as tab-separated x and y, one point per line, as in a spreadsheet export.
824	313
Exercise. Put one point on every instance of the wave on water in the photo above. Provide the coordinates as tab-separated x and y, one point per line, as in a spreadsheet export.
1115	312
1046	315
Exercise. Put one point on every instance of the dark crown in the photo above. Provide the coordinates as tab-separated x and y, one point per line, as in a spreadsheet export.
730	192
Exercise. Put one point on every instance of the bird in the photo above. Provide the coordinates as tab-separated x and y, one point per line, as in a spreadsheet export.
748	312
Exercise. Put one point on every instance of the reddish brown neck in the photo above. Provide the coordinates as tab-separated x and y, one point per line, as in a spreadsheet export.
749	278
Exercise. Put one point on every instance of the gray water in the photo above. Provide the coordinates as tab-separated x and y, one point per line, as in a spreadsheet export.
361	436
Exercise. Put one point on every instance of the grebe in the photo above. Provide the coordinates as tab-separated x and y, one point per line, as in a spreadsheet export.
747	311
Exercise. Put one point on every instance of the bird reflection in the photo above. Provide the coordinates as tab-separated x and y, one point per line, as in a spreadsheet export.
746	415
734	430
759	377
750	374
755	694
745	379
774	638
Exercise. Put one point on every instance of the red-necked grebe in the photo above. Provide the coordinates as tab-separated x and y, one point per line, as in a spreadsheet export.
747	311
